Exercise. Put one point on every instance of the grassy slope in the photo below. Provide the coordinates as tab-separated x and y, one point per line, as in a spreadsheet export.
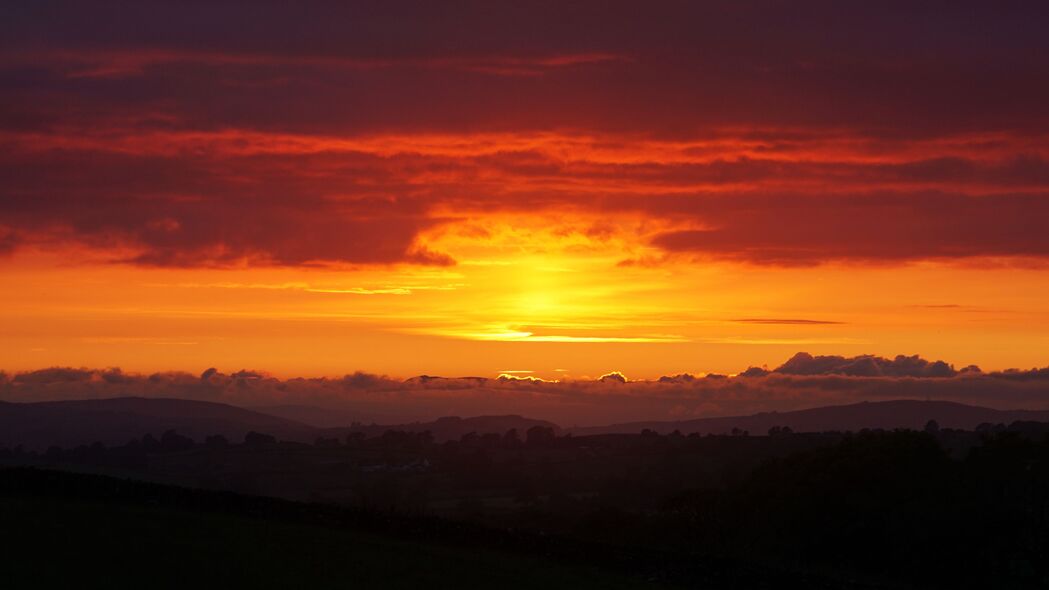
59	538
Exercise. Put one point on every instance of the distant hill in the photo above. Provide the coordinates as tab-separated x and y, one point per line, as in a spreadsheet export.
912	414
327	417
339	422
454	427
118	420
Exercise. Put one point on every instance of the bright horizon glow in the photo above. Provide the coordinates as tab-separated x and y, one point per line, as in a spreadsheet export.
477	319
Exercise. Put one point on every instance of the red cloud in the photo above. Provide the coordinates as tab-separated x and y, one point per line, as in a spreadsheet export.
138	130
806	229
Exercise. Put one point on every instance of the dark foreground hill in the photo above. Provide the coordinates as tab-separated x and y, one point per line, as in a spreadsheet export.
118	420
913	414
64	528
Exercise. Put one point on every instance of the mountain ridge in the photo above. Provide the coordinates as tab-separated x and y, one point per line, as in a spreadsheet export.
888	414
115	421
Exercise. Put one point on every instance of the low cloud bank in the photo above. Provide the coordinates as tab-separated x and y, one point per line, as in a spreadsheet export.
803	381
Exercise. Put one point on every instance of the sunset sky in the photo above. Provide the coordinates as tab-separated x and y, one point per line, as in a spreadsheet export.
561	191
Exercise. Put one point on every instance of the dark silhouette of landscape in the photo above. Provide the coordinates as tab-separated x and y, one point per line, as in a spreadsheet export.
875	503
117	420
886	415
113	421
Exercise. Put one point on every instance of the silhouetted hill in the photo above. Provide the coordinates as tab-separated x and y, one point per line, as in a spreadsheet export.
453	427
65	529
327	417
888	415
117	420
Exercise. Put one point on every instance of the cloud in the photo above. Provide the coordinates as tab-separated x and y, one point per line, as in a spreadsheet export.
227	198
786	322
804	363
181	212
808	229
680	378
8	241
118	64
859	134
803	381
687	65
56	375
525	378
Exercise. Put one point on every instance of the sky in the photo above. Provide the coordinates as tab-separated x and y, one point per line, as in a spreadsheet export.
543	189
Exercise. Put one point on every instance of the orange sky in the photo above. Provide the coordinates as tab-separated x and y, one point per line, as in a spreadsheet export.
687	189
547	307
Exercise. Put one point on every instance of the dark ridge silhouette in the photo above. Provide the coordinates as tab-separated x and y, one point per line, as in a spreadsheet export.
451	427
324	417
115	421
936	508
37	426
118	420
913	414
337	423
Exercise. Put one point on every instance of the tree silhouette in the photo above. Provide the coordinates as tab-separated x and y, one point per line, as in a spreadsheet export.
258	439
216	441
540	436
